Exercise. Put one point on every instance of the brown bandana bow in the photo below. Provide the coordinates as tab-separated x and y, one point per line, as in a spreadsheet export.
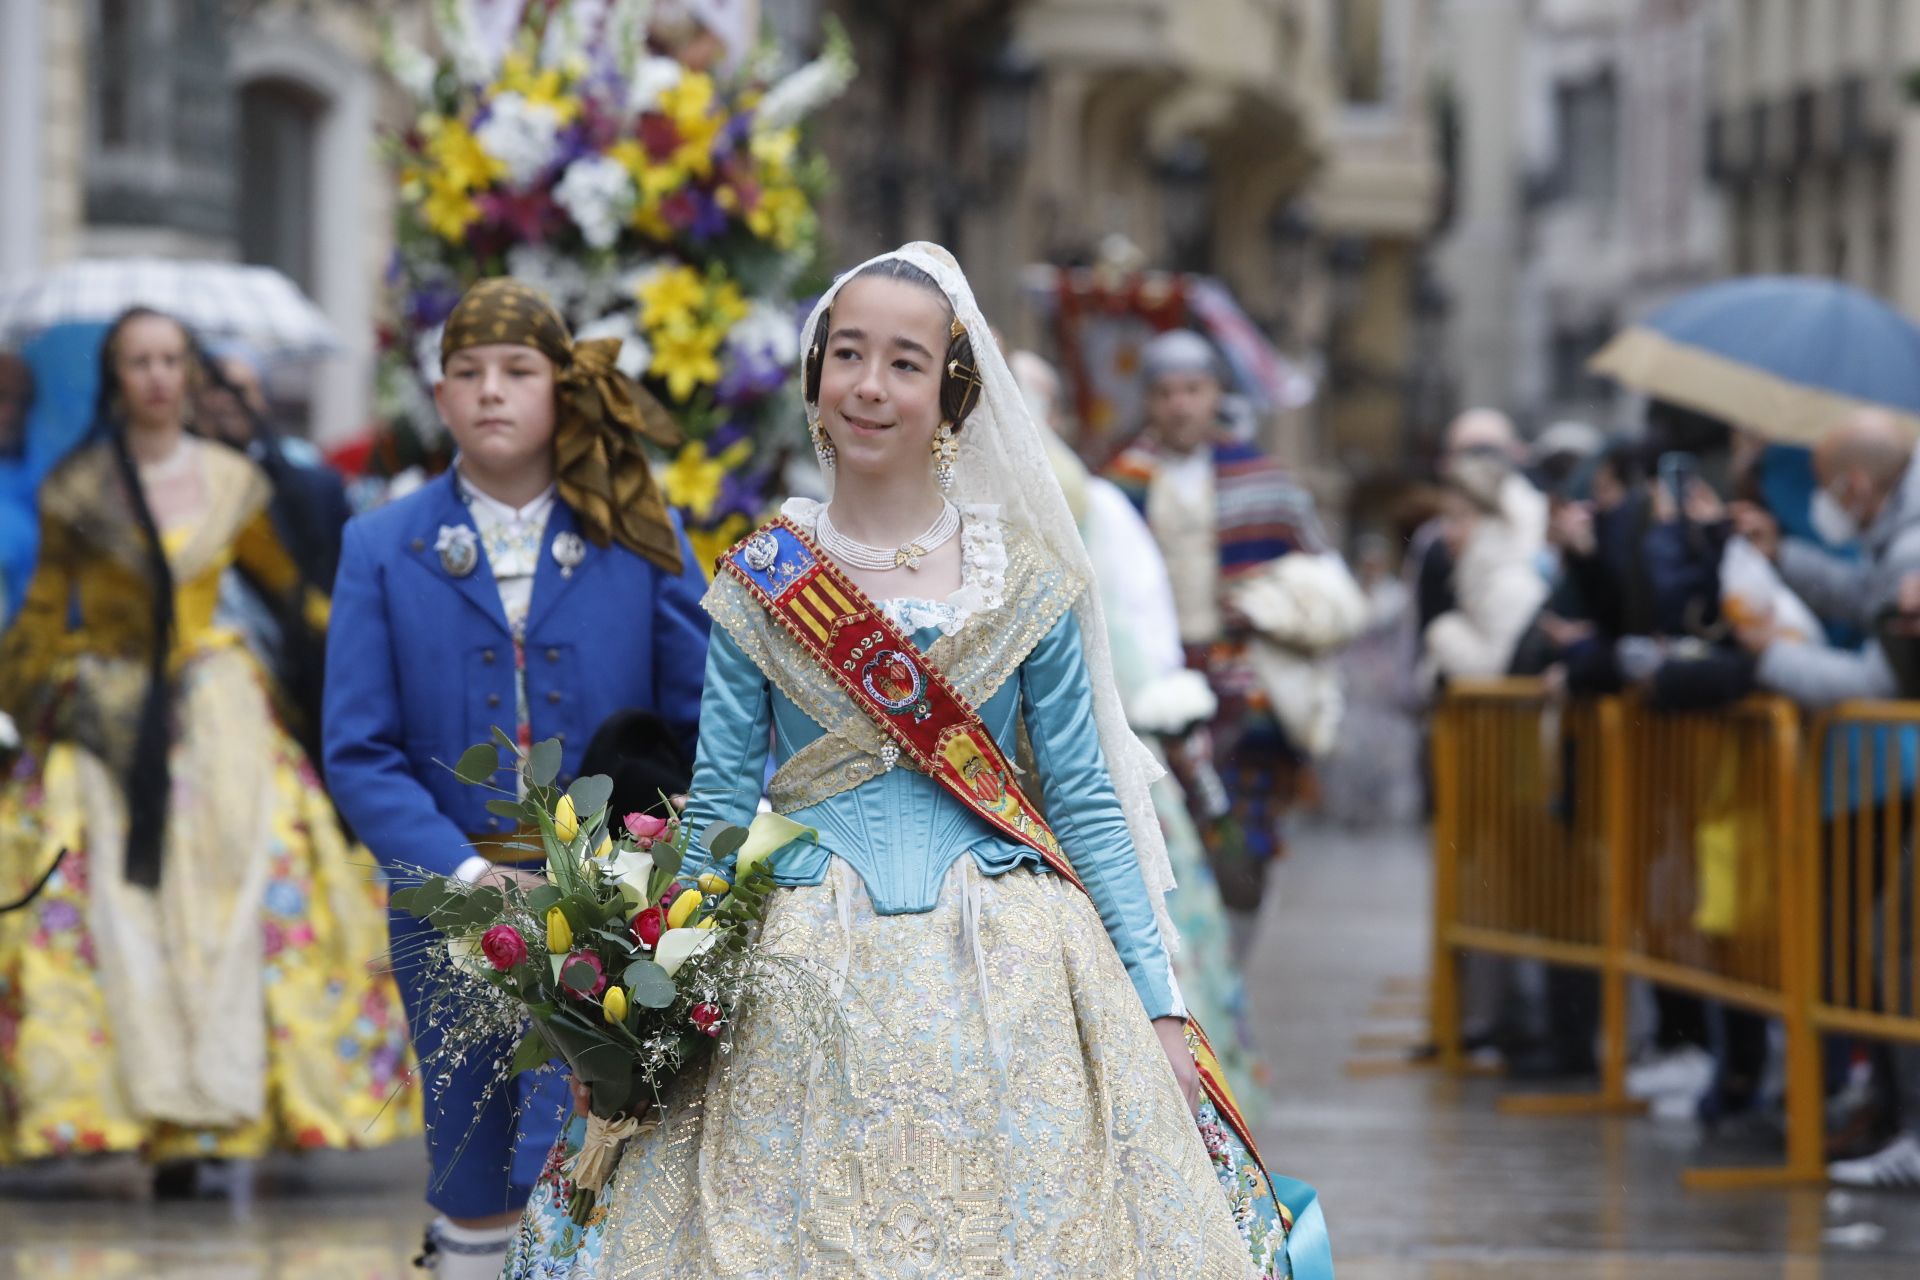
601	417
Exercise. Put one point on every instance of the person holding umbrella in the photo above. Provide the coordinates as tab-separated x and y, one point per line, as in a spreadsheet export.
192	980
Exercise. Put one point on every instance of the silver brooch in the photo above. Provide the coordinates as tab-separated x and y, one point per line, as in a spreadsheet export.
459	549
569	549
762	550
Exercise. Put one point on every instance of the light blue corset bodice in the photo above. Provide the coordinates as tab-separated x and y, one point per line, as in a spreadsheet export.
901	831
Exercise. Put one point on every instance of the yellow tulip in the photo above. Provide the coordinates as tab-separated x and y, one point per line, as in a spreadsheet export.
683	908
566	823
711	883
614	1005
606	848
559	932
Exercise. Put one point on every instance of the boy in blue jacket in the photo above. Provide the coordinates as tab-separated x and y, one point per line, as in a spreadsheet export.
539	586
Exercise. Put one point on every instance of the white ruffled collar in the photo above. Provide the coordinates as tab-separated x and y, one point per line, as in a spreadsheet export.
983	569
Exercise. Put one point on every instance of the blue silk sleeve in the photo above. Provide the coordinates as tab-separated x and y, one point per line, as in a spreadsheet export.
1085	813
736	714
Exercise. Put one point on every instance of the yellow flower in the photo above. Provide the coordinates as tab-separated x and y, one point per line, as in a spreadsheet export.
683	908
448	209
465	163
566	823
613	1006
559	932
727	306
710	544
711	883
540	88
773	150
781	216
689	99
606	847
694	479
671	297
684	356
690	105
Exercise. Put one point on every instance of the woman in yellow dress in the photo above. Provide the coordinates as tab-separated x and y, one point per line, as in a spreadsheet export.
203	974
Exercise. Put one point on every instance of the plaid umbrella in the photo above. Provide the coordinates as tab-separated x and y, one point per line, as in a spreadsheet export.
217	300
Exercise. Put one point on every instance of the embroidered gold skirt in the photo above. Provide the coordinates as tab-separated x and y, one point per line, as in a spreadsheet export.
1004	1109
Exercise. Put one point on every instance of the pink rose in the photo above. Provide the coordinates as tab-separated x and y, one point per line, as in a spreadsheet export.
649	925
504	947
592	961
644	826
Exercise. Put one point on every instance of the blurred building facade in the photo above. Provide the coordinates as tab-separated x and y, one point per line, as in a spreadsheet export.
1581	195
204	129
1815	141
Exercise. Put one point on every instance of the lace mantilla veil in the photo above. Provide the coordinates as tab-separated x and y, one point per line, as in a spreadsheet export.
1003	462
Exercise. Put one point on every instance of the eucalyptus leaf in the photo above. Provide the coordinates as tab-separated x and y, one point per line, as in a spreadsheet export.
590	794
505	743
667	862
403	899
726	842
477	765
648	985
543	764
507	809
578	976
541	899
556	962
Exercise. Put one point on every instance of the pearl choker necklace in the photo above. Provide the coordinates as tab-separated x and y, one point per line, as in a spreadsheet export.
861	555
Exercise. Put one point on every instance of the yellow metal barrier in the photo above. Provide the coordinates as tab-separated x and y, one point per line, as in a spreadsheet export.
1528	804
1607	837
1713	848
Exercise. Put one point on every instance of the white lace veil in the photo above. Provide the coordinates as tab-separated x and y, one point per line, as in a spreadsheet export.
1003	461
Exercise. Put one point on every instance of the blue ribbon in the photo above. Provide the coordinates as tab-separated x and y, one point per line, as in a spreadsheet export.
1309	1250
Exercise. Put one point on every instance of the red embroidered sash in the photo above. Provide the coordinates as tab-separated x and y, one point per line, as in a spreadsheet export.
923	716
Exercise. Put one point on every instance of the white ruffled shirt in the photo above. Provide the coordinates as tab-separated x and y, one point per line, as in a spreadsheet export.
513	537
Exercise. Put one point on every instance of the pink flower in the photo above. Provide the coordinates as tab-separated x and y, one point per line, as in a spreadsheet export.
504	946
649	925
592	961
644	826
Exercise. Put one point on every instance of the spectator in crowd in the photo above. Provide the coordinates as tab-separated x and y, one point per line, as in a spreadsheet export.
1869	491
16	485
1495	533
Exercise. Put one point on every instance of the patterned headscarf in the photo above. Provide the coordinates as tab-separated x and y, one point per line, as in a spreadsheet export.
601	418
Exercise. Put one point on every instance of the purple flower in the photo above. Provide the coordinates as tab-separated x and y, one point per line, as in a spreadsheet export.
741	492
59	917
431	304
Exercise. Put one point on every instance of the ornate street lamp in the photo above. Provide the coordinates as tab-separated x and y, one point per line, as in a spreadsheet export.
1184	175
1007	83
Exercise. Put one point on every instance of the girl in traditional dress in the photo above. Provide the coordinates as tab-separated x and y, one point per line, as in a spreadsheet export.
203	974
1017	1089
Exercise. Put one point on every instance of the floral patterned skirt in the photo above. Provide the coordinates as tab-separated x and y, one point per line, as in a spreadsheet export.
245	1003
1002	1109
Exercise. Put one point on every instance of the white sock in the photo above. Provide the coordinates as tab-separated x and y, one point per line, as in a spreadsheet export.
469	1253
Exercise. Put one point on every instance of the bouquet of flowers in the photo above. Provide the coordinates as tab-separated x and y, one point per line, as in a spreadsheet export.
623	962
663	202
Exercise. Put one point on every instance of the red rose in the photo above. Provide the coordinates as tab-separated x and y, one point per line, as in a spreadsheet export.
592	961
644	826
706	1017
504	946
649	925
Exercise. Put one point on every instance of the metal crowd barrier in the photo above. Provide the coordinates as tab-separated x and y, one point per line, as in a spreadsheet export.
1699	852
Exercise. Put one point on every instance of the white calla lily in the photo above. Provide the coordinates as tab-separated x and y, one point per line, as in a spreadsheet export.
767	833
464	950
632	867
677	946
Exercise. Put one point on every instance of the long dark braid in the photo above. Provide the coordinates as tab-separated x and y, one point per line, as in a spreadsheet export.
149	781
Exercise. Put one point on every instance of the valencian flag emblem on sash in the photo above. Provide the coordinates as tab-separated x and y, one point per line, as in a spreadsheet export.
924	718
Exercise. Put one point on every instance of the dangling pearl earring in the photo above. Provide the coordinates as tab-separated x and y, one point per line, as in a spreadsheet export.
945	449
822	446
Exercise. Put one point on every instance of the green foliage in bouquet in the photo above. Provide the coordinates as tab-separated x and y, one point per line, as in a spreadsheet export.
627	962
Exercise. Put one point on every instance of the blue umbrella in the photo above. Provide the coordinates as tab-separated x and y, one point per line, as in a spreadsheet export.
1786	356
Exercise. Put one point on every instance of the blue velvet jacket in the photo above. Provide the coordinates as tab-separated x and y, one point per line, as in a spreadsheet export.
1020	664
420	667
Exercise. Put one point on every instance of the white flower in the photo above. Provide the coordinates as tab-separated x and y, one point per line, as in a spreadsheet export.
426	355
767	329
677	946
475	46
521	135
651	79
597	192
410	67
808	89
631	868
571	30
561	277
636	354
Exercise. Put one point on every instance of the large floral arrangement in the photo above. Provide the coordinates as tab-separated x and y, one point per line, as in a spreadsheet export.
659	201
628	961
